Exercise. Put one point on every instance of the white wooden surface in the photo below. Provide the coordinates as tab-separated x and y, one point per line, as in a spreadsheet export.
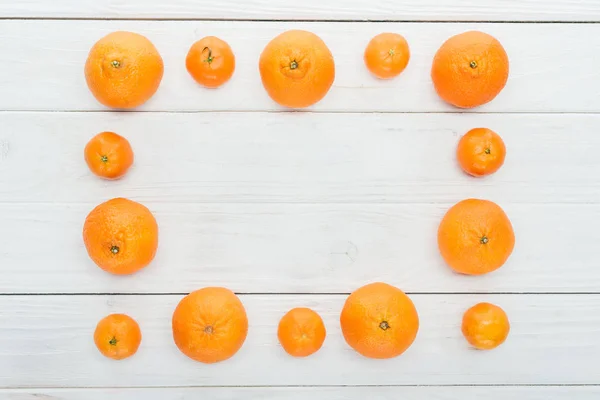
395	10
552	66
303	393
299	158
554	340
300	208
297	248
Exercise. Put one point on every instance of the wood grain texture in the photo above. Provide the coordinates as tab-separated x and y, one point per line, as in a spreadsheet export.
553	339
439	10
271	204
42	62
290	248
315	393
298	158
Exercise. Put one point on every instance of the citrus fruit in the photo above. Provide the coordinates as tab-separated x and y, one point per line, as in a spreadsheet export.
210	61
297	69
121	236
210	325
379	321
108	155
301	332
470	69
123	70
480	152
117	336
387	55
475	237
485	326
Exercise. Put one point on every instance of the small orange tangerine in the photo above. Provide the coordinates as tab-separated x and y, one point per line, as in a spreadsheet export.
387	55
210	61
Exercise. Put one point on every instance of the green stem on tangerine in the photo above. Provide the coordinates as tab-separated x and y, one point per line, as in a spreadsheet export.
210	58
113	341
484	240
115	249
384	325
294	64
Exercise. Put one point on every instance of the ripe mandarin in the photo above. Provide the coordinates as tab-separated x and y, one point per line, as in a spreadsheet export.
475	237
210	61
485	326
108	155
117	336
210	325
379	321
301	332
387	55
470	69
480	152
121	236
123	70
297	69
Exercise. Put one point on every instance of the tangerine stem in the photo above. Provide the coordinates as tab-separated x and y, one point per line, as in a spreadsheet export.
115	63
487	151
115	249
473	64
208	329
104	159
113	341
294	64
210	58
384	325
484	240
391	53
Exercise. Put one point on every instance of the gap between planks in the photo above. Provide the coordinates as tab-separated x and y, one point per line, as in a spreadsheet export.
294	111
484	385
410	293
405	21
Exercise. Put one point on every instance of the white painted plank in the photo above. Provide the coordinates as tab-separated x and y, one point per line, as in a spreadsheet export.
299	158
314	393
553	340
439	10
552	68
293	248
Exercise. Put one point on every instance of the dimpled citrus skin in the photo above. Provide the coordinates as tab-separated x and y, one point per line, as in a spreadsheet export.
301	332
123	70
210	61
117	336
387	55
480	152
485	326
470	69
121	236
475	237
297	69
108	155
210	325
379	321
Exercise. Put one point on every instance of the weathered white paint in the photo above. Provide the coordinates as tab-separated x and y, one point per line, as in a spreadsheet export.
299	158
440	10
552	66
48	343
303	393
274	248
